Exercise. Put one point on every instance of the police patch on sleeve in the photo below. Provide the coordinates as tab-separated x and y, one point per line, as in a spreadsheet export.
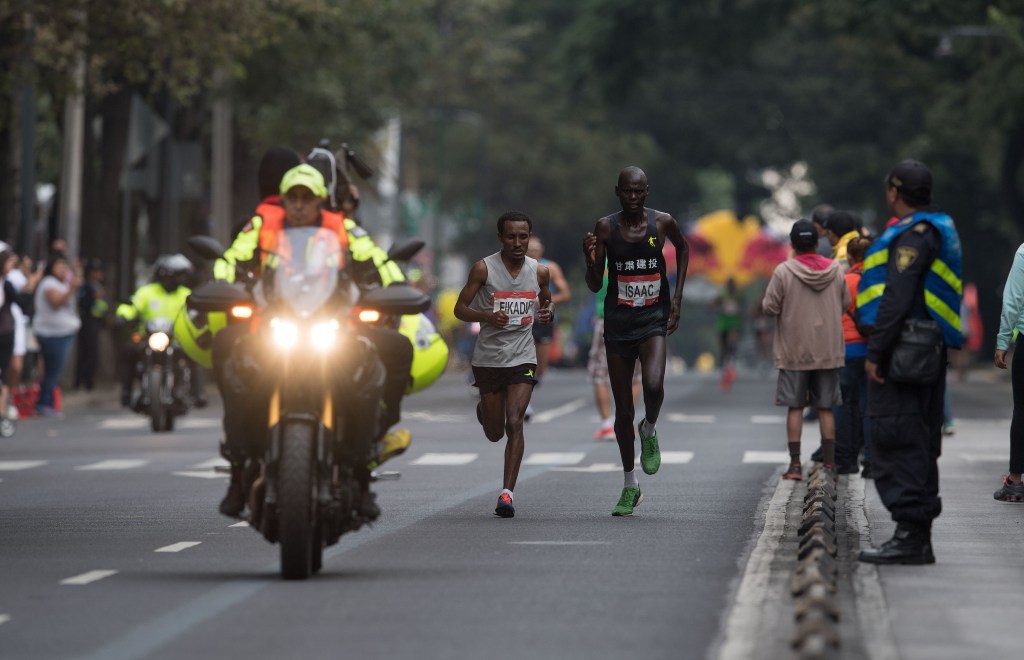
905	257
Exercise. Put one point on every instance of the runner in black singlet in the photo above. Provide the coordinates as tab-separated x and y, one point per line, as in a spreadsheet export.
638	314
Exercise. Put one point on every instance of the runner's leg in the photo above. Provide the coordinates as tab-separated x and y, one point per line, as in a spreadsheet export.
492	405
515	410
620	374
652	365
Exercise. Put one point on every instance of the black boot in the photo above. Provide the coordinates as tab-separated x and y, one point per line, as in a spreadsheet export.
367	508
909	545
234	501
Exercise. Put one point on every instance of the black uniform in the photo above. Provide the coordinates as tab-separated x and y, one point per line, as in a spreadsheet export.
906	420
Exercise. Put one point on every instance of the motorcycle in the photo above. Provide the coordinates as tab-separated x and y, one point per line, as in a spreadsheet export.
324	388
163	376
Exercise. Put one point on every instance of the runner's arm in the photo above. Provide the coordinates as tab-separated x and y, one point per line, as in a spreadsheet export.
595	253
546	307
558	279
672	233
463	311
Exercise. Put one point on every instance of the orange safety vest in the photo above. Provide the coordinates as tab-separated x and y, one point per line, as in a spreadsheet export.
274	222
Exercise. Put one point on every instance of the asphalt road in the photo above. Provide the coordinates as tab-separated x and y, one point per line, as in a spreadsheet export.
111	546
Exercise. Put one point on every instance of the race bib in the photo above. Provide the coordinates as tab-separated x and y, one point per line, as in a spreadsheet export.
639	290
517	304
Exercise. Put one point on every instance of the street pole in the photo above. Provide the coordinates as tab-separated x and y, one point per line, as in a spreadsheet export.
71	172
221	177
28	142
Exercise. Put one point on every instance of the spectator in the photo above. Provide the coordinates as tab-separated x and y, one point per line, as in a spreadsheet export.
55	325
842	228
92	310
1010	322
728	307
851	429
808	295
819	216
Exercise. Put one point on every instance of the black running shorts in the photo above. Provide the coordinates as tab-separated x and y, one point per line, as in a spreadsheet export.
495	379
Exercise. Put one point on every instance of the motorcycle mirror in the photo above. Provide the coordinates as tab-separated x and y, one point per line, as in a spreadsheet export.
357	163
207	247
405	250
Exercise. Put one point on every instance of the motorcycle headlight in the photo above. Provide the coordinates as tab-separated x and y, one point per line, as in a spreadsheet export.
159	341
324	334
285	333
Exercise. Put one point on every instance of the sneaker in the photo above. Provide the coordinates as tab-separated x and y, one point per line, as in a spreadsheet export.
1011	491
650	455
794	472
504	508
948	428
605	433
631	497
48	411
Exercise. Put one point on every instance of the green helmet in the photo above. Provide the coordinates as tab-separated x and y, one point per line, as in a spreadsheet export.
194	331
429	355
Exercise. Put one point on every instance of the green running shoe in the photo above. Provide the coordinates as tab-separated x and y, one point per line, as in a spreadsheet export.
650	455
631	497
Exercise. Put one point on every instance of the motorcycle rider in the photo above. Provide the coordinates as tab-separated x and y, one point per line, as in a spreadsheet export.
371	267
164	297
243	386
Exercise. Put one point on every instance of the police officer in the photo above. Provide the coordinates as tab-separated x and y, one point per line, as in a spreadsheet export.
164	297
912	271
244	388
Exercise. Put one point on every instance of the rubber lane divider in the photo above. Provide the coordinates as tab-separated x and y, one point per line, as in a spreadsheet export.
814	587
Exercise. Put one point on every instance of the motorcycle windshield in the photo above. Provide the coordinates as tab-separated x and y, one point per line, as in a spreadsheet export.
301	266
159	324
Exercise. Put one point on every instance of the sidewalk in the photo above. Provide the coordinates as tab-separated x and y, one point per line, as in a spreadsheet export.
966	605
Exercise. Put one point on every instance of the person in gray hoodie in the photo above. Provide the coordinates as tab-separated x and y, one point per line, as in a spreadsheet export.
808	294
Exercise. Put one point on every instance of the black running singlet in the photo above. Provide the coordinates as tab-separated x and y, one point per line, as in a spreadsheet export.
636	305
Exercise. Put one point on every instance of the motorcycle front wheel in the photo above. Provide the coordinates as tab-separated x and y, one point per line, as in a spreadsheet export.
159	415
295	487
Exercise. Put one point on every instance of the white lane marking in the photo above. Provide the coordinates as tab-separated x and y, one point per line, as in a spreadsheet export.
178	547
445	459
559	542
564	409
114	464
744	621
210	464
778	457
767	419
427	416
10	466
596	467
123	423
4	618
210	474
86	578
680	418
868	596
240	524
996	457
554	458
198	423
672	457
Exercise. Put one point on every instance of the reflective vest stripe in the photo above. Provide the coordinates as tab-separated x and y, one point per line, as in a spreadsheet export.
944	271
869	294
941	309
877	259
